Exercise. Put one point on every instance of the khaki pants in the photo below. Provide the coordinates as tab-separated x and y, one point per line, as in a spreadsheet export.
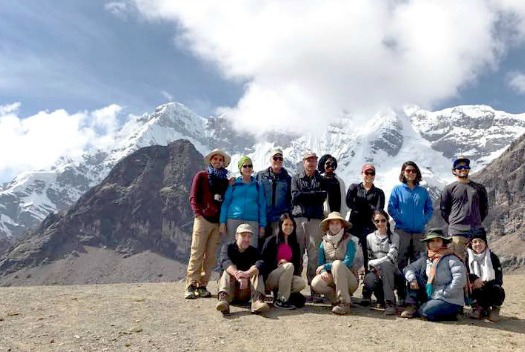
283	279
228	284
410	247
459	246
309	236
205	240
231	228
340	287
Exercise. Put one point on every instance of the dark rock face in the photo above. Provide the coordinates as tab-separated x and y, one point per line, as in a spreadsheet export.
141	205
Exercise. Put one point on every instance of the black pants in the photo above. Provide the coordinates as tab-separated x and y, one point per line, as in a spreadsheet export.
489	295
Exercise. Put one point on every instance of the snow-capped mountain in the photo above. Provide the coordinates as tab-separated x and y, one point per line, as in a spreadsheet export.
388	139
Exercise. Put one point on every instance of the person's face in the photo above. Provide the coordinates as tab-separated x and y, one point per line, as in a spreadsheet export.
287	227
478	245
462	170
369	176
329	166
247	168
335	226
276	162
217	161
243	239
410	173
310	164
380	221
435	244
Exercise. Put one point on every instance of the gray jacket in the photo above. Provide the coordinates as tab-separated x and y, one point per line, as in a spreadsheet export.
450	279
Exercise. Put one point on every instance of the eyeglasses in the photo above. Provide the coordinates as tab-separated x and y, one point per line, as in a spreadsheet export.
370	173
462	167
277	158
377	221
410	171
247	166
329	165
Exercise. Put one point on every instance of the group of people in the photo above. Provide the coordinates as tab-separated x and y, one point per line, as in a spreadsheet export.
268	221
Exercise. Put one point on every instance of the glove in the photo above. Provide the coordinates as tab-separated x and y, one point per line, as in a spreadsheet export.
430	289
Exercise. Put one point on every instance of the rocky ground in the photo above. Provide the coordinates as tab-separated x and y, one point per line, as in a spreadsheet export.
154	316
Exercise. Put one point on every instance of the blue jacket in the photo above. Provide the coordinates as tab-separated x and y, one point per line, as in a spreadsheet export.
410	208
277	188
244	201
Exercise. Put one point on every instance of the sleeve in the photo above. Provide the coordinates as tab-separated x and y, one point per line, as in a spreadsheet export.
342	187
392	254
350	254
350	196
483	202
428	207
459	277
321	260
262	204
195	195
228	196
267	253
393	205
225	257
289	193
411	269
445	204
498	270
295	190
380	205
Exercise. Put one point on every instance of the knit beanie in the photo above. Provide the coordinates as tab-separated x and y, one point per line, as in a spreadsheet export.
243	160
479	233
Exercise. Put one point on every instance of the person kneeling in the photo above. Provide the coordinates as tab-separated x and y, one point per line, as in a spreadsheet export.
436	281
337	251
241	277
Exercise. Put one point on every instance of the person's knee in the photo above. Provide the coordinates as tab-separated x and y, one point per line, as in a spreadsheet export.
337	265
287	267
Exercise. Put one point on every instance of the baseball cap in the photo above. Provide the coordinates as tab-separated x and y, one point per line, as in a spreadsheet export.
461	159
367	167
244	228
309	154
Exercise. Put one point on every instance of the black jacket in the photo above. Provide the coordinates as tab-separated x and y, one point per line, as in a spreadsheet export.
230	255
498	270
269	254
362	205
308	196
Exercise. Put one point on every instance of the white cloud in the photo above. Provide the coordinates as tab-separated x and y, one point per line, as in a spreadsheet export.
307	62
516	81
120	9
166	95
37	141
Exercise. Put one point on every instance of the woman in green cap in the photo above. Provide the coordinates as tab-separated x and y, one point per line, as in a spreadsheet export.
244	203
436	281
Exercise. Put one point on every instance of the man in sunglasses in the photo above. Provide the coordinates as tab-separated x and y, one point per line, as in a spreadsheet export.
276	182
464	206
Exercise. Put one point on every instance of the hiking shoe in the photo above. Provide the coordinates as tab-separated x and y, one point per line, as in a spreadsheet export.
259	306
476	313
190	292
281	304
494	314
342	308
202	292
223	306
390	308
409	312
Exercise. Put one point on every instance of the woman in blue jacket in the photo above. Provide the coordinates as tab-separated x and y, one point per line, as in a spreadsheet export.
244	203
411	208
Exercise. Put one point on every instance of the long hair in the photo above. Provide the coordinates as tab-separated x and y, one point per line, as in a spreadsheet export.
280	234
388	230
402	177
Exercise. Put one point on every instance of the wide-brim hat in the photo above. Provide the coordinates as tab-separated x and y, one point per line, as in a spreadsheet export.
227	158
436	233
335	215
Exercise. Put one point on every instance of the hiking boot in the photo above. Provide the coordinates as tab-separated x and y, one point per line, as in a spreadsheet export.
190	292
202	292
342	308
281	304
476	312
390	308
258	304
494	314
409	312
223	306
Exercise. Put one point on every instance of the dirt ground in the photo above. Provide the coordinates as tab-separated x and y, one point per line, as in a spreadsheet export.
155	317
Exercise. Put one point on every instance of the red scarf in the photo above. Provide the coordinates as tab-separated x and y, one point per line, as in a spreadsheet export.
435	257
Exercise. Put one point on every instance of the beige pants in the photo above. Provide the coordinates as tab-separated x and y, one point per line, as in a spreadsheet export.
309	236
205	240
459	246
283	279
228	284
340	287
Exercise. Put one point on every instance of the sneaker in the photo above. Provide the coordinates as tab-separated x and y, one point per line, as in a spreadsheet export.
281	304
342	308
390	308
476	313
409	312
223	306
190	292
494	314
202	292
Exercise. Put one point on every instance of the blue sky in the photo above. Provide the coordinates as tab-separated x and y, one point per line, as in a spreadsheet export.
88	64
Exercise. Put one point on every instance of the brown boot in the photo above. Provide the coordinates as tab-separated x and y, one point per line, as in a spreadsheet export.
409	312
342	308
494	314
258	304
476	312
223	306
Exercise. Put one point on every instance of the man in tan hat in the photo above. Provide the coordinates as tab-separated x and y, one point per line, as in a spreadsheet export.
308	197
242	275
206	196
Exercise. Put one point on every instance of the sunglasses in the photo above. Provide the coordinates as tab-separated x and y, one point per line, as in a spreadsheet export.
462	167
328	165
247	166
370	173
410	171
380	221
277	158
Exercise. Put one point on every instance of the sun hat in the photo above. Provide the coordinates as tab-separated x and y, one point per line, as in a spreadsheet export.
227	158
335	215
244	228
436	233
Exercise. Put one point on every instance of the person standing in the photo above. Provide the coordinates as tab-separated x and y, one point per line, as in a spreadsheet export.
244	203
276	183
334	185
362	200
206	196
411	208
464	206
308	197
